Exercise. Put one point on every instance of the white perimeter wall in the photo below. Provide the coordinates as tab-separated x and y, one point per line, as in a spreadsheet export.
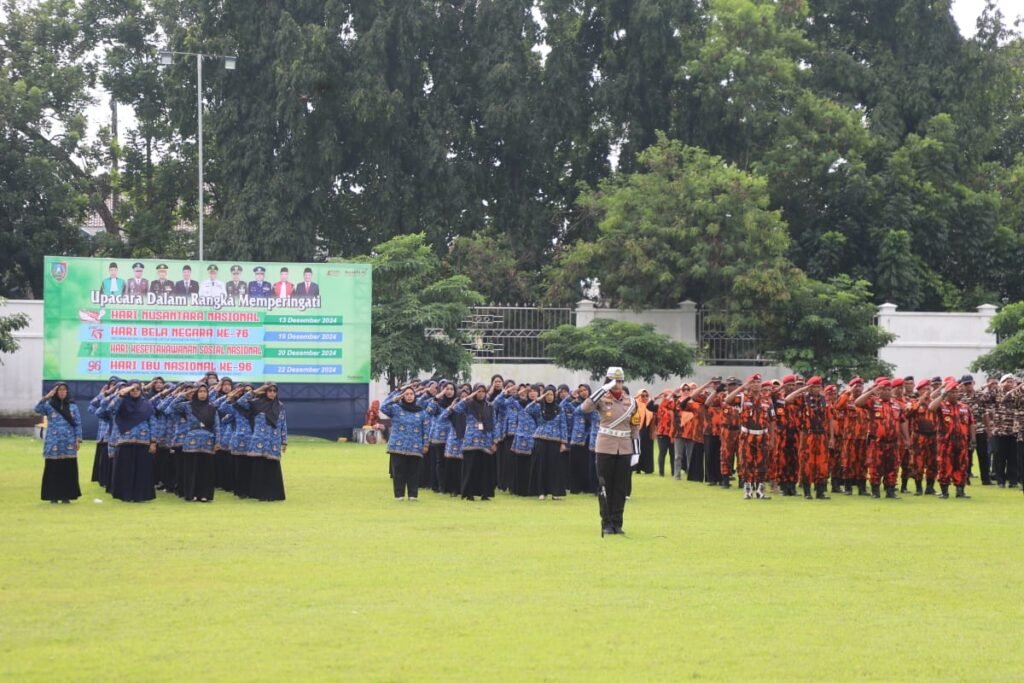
930	344
21	375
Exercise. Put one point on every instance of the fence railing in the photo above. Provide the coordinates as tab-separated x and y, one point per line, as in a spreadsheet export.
511	334
718	345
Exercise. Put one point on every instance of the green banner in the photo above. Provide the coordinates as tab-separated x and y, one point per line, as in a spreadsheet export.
255	322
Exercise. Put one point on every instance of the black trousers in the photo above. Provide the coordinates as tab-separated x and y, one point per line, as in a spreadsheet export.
1004	459
664	448
984	459
405	474
612	481
479	473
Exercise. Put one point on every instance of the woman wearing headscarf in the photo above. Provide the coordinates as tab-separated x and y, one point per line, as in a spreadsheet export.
644	420
102	433
171	438
198	444
60	447
580	455
241	436
268	443
132	478
478	444
506	466
549	442
409	440
440	426
223	463
105	414
522	441
452	481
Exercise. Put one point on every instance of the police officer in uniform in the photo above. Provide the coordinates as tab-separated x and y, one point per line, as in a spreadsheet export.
260	288
614	447
236	287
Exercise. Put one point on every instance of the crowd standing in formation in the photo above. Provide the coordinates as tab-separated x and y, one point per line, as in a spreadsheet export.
790	437
188	439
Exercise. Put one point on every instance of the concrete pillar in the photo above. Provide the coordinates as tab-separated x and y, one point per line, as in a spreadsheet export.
586	312
687	332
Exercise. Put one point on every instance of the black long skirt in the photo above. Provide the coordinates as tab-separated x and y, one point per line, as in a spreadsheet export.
521	474
545	469
60	479
168	473
506	464
437	454
97	460
712	459
199	476
267	481
106	473
478	473
177	460
243	475
451	482
132	477
646	463
579	469
428	470
223	470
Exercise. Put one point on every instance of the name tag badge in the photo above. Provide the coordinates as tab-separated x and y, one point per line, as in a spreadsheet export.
480	426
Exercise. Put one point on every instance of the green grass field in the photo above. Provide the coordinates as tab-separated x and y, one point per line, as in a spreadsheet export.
340	582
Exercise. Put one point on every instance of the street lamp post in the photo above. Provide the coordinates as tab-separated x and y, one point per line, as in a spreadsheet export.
166	58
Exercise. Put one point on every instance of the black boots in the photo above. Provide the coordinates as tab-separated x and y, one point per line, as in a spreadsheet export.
960	493
848	487
837	485
820	492
903	485
917	487
945	491
862	488
807	491
930	489
890	492
875	488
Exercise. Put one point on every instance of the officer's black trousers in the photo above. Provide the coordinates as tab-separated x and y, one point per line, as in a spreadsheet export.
613	474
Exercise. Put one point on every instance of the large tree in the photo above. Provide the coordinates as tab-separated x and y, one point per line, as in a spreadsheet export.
416	312
688	225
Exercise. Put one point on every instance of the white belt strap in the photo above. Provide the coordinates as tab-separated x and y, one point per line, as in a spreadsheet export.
626	415
753	432
620	433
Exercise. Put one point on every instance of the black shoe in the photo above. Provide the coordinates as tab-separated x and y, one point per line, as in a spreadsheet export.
890	492
847	487
917	488
986	482
945	491
903	485
960	493
930	489
807	491
875	491
607	531
618	530
862	490
821	492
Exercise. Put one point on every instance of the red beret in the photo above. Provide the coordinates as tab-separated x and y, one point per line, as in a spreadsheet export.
882	383
789	379
814	380
766	385
879	379
923	383
951	378
830	387
754	378
951	385
856	380
897	382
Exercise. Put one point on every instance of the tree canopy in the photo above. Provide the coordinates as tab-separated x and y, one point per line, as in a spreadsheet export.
710	149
